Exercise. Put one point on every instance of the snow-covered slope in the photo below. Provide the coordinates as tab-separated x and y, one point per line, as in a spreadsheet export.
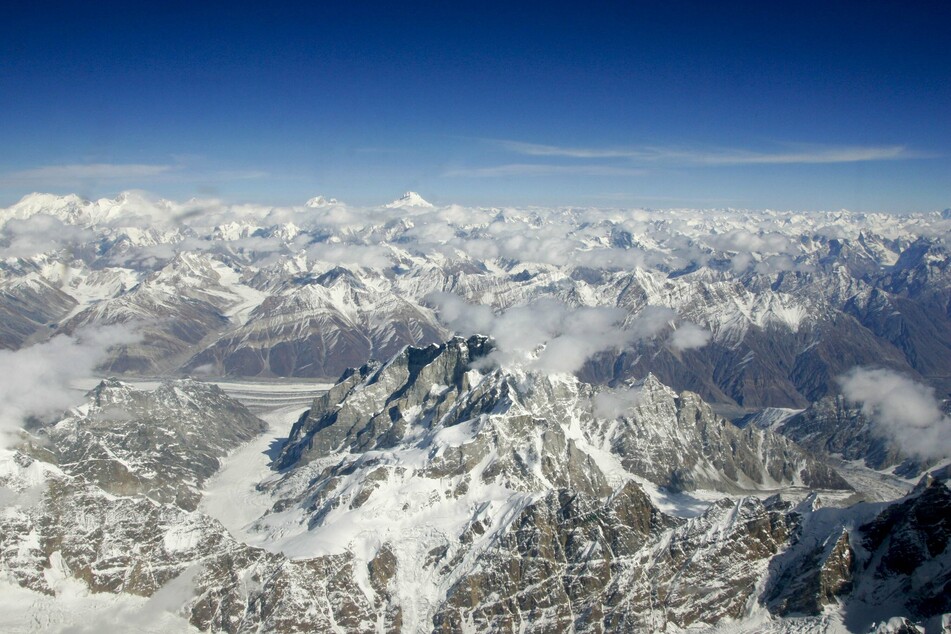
771	306
436	493
409	199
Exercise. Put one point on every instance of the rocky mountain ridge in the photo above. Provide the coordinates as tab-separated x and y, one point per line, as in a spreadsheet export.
568	472
508	518
786	308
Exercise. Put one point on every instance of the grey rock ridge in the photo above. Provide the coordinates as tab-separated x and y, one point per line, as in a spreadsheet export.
425	495
834	426
673	440
27	306
301	330
161	444
876	561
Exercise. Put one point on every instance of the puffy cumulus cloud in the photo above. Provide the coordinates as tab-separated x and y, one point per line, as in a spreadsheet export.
741	262
688	336
41	233
767	252
768	264
154	255
467	217
37	379
369	256
432	232
461	316
573	334
743	240
548	335
901	409
478	248
610	404
780	263
649	322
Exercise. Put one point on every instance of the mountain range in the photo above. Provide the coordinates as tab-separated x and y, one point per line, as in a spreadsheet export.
536	419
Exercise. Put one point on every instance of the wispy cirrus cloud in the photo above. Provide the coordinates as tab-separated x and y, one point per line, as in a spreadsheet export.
815	155
537	149
125	173
543	169
85	171
786	155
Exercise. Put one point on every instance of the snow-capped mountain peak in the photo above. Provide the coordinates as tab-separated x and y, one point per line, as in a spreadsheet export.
320	201
409	199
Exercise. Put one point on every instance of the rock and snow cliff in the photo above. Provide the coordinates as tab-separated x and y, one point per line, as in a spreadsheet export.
435	493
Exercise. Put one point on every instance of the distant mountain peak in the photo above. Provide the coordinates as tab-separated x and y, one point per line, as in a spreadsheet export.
409	199
320	201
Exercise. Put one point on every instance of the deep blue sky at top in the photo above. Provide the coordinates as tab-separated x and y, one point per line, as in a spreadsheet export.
705	104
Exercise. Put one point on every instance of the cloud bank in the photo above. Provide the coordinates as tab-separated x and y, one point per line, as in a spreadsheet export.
902	409
37	379
549	336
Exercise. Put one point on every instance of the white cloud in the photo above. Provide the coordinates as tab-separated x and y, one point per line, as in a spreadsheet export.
83	174
901	409
688	336
820	155
610	404
650	321
548	335
746	241
163	611
370	256
40	233
87	171
37	379
537	149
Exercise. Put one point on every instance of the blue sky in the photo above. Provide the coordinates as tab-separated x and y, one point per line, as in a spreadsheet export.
785	105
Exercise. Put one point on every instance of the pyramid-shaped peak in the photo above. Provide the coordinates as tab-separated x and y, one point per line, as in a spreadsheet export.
320	201
650	384
409	199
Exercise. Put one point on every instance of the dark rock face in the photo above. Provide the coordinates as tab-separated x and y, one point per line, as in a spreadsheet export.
374	417
675	441
908	545
817	579
552	566
791	300
711	565
551	535
136	546
174	310
896	562
621	567
574	555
